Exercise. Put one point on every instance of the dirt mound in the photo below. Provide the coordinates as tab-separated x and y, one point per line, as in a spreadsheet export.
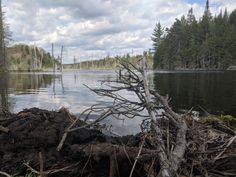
34	135
35	130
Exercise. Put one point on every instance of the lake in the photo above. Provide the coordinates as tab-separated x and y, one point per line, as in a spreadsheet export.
213	91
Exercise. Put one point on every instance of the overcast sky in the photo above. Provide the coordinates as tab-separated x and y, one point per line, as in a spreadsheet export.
91	29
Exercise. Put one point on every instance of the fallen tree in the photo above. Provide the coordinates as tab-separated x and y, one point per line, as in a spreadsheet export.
169	144
138	83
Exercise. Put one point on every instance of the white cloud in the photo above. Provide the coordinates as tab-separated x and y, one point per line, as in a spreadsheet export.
97	27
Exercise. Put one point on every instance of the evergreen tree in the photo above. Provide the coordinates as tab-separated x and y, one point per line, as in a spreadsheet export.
4	39
232	18
205	22
207	12
190	17
157	36
208	43
2	46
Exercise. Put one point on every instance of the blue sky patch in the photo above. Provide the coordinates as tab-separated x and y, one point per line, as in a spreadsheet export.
196	1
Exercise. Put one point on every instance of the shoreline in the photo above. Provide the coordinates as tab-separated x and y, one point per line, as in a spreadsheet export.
112	69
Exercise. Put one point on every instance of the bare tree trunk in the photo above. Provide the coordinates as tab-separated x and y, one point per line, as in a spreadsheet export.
61	67
165	169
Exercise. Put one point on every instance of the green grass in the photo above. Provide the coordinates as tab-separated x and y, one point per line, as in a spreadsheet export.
225	119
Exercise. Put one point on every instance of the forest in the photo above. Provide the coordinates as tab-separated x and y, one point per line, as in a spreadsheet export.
109	62
207	43
23	57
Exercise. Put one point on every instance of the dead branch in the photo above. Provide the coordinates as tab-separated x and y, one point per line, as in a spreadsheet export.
5	174
71	129
107	149
41	174
4	129
136	159
229	143
48	172
165	168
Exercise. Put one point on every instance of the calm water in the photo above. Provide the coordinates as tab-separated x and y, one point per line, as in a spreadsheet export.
214	91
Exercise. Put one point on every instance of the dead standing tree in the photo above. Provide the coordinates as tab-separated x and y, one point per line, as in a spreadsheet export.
133	79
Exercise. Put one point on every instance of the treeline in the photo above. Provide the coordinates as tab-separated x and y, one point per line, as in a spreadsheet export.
21	57
109	62
207	43
28	58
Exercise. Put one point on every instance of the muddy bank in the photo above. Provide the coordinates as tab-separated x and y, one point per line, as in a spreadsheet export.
34	130
211	149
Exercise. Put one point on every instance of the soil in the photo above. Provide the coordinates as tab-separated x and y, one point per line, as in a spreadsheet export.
35	130
89	152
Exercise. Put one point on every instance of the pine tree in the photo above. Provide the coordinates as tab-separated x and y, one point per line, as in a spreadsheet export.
4	39
207	12
190	17
205	23
232	18
226	16
2	47
157	36
208	43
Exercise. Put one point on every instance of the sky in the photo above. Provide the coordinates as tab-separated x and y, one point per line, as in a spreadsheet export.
92	29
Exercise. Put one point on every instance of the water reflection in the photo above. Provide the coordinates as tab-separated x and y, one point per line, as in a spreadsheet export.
13	85
24	83
50	91
4	105
214	91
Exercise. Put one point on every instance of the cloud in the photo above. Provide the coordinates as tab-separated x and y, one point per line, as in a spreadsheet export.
97	27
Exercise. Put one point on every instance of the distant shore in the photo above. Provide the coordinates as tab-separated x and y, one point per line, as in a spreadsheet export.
230	68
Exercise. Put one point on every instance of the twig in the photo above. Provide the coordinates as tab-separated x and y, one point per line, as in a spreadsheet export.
31	169
168	139
41	165
204	110
230	142
86	162
70	129
136	159
5	174
49	171
63	139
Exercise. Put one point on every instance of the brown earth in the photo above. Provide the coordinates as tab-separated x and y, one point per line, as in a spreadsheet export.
88	152
34	130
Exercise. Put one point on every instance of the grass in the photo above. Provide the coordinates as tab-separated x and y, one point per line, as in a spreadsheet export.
225	119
